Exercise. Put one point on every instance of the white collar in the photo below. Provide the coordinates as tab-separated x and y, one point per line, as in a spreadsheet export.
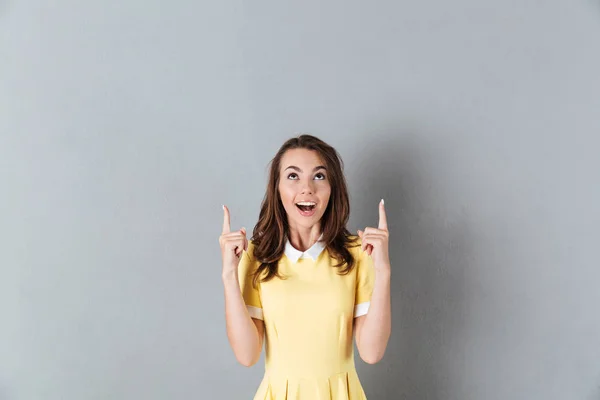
294	254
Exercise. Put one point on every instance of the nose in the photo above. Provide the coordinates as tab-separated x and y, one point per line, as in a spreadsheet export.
307	187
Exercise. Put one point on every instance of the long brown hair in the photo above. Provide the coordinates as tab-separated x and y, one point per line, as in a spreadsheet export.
271	231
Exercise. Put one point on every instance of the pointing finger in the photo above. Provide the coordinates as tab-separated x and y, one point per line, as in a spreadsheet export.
226	222
382	216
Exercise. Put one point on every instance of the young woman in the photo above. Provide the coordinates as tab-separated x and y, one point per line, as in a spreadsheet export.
304	283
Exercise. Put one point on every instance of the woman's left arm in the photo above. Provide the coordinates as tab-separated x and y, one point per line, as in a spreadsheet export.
373	329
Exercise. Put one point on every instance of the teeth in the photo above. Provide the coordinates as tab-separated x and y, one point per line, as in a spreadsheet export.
306	203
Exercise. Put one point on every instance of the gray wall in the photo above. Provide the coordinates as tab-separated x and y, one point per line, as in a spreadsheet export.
124	125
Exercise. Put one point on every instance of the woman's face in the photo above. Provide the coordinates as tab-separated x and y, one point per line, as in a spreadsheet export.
303	186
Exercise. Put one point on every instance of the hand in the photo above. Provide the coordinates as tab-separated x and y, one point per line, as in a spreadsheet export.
232	244
375	241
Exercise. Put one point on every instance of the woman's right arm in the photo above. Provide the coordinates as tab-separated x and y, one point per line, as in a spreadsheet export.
245	334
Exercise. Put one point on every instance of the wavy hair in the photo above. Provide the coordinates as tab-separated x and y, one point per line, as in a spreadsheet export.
271	231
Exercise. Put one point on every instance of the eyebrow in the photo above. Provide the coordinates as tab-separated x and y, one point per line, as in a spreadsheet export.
299	170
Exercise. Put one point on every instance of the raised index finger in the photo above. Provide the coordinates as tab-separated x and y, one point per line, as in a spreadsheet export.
382	216
226	223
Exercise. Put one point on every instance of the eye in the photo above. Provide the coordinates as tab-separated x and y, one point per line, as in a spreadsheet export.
293	176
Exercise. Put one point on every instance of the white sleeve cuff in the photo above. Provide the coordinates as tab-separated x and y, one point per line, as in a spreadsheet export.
361	309
255	312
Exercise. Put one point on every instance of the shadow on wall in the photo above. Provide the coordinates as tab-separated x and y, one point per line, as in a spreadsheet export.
429	251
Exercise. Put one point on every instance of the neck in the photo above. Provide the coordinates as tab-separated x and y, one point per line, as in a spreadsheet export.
302	238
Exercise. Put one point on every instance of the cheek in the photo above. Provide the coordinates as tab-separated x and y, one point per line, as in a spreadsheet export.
326	197
286	196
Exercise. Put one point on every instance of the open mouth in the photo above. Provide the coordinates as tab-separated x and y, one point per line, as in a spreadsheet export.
306	207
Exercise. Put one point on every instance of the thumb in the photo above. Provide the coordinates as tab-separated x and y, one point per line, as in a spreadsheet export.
360	233
245	239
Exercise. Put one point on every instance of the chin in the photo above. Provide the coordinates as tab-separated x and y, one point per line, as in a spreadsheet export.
308	223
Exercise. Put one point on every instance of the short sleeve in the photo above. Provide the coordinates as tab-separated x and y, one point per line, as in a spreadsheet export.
365	279
250	294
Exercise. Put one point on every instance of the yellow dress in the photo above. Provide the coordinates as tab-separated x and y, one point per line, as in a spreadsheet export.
308	320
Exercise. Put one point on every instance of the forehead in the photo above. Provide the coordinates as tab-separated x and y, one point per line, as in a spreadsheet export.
301	158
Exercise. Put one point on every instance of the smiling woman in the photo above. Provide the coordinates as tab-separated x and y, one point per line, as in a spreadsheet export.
309	192
307	207
304	283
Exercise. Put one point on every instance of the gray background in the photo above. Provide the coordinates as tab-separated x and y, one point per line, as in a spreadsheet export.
124	125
